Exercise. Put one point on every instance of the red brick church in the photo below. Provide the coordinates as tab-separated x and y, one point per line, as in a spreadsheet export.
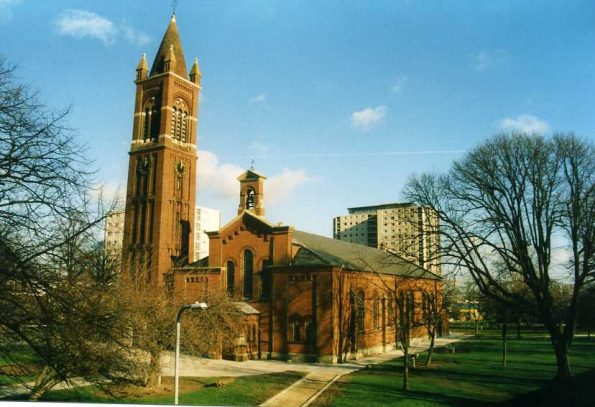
303	296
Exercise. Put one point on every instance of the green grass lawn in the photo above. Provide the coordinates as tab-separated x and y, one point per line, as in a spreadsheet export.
474	376
241	391
21	366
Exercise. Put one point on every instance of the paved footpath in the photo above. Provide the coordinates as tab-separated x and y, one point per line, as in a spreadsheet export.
301	393
15	390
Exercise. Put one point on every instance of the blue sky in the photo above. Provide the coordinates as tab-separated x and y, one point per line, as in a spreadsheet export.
338	102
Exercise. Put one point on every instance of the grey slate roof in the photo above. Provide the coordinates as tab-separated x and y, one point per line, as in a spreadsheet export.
315	250
383	206
245	308
204	262
250	175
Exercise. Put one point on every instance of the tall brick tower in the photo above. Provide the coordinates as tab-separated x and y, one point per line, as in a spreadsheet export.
160	196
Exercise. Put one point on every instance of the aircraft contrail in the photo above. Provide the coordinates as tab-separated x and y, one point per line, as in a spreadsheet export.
354	154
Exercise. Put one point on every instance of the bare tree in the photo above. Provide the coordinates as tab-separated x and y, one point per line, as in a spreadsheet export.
437	298
343	316
403	297
474	304
402	294
44	175
577	201
586	316
508	202
55	292
70	323
351	305
58	292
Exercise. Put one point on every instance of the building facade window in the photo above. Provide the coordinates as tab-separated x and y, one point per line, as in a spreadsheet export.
391	312
361	310
411	305
310	328
248	273
295	329
376	311
266	280
231	268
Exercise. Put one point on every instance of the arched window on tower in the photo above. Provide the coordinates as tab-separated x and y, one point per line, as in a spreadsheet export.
151	119
180	170
184	129
248	273
231	269
250	198
179	121
143	168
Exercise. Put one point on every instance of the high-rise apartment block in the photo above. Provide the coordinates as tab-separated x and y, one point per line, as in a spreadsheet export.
205	220
405	229
113	235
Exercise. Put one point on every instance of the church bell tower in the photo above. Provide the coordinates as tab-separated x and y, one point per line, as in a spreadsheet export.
160	195
251	192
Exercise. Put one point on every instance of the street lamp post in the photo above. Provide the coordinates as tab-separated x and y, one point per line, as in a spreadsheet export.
196	305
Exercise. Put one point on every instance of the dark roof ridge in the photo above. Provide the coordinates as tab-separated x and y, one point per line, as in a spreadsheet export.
383	206
354	256
313	252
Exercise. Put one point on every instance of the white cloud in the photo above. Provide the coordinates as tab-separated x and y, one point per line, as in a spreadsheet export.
86	24
81	23
525	123
281	186
220	179
561	256
259	98
399	84
364	119
134	36
6	9
259	149
110	193
487	59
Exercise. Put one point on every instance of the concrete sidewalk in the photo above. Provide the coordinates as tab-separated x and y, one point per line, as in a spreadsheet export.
16	390
303	392
318	376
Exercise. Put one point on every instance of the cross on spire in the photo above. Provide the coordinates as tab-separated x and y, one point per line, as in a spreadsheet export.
174	4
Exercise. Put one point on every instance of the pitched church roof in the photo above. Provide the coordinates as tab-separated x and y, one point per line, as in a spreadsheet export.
171	38
250	175
315	250
249	218
245	308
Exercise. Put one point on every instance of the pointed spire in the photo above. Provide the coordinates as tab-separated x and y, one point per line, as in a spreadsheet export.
142	69
195	73
169	63
171	41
